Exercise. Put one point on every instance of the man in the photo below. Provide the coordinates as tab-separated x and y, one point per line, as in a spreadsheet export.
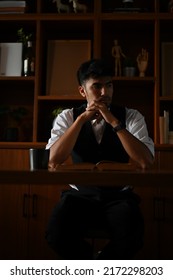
98	130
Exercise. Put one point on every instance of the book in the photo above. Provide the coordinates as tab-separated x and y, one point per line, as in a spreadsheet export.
164	127
11	59
100	166
12	10
12	3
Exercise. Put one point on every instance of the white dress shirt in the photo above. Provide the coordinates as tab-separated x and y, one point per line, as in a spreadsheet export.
135	124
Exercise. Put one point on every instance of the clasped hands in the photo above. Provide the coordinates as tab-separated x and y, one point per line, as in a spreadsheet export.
98	109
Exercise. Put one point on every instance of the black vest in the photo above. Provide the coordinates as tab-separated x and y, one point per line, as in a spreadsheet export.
87	149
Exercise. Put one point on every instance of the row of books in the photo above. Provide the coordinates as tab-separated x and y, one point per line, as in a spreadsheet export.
8	7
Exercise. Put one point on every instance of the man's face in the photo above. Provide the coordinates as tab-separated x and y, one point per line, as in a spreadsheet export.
100	89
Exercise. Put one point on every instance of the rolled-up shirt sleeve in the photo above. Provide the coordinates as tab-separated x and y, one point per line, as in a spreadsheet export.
60	124
136	125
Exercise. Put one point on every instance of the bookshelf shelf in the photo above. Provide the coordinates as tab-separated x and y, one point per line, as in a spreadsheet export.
147	27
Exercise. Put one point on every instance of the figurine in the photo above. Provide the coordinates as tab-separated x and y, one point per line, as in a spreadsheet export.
61	7
78	7
142	62
117	53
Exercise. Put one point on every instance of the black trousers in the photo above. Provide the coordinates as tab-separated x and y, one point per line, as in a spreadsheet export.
116	211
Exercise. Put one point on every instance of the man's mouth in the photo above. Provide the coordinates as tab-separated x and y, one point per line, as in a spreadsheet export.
105	100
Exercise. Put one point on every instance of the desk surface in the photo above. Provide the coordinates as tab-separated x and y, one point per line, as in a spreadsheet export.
141	178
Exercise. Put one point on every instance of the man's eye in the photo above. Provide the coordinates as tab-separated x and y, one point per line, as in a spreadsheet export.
97	86
108	85
100	86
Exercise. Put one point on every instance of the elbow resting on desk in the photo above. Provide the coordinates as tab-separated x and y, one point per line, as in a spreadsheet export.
145	162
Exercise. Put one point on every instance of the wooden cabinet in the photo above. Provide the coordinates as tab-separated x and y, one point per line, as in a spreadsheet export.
166	223
150	249
42	200
165	158
157	209
14	228
166	208
24	212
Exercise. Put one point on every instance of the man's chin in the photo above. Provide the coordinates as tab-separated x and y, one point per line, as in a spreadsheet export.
106	101
107	104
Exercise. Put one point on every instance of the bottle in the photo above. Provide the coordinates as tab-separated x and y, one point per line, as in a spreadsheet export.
29	60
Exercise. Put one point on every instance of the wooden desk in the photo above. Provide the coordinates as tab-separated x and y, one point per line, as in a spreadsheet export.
143	178
28	197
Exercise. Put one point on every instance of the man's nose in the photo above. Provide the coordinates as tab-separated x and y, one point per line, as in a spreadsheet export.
103	90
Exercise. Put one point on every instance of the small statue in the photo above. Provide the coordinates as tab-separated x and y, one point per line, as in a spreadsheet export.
61	7
78	7
117	53
142	62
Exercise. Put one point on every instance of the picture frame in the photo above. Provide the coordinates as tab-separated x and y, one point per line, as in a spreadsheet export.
63	59
167	68
11	59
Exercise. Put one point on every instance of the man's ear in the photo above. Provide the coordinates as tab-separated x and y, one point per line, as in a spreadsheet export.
82	91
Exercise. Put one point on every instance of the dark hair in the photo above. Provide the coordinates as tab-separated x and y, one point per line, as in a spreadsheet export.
94	68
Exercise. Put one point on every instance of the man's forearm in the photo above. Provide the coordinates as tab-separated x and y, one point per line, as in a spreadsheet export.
136	150
63	147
